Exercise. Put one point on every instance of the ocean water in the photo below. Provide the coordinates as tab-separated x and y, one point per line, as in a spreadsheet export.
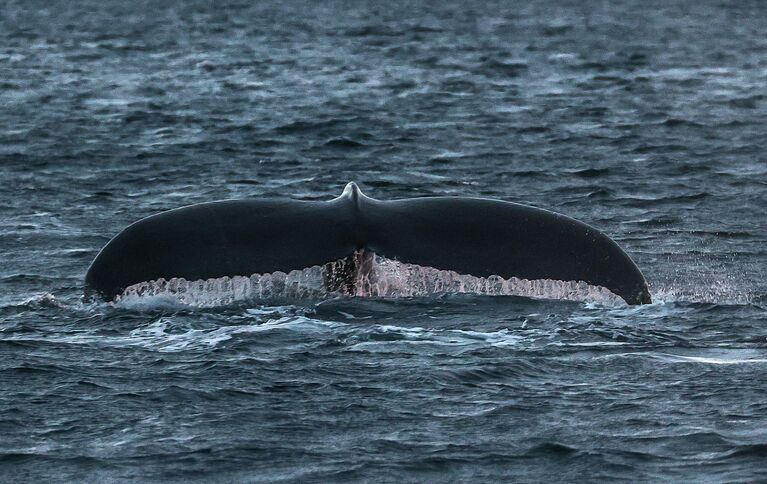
647	120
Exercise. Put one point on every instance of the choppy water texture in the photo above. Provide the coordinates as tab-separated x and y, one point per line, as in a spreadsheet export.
647	120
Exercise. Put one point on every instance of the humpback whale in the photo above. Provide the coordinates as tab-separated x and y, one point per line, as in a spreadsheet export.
473	236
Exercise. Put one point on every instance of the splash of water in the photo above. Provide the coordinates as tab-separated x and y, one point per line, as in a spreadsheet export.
364	274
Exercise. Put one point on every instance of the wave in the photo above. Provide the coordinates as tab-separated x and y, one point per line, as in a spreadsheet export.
160	336
396	339
723	359
703	356
166	336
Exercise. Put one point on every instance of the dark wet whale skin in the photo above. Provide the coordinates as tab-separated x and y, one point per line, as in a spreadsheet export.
473	236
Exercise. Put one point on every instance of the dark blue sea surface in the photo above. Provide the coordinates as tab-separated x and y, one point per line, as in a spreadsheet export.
647	120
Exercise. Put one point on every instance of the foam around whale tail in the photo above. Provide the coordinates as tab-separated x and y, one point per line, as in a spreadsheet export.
471	236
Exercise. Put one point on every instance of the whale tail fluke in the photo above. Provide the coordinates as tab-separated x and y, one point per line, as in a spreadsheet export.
472	236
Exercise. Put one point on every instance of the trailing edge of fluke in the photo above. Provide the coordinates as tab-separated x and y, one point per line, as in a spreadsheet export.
474	236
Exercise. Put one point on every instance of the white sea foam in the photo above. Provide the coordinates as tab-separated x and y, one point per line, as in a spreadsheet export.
706	356
446	338
372	276
716	357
